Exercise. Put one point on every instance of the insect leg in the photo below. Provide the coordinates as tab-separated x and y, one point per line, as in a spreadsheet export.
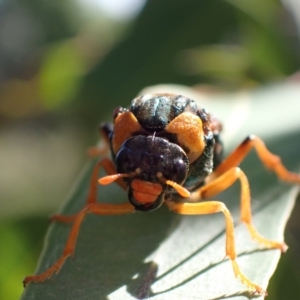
109	168
223	182
211	207
271	161
105	132
94	208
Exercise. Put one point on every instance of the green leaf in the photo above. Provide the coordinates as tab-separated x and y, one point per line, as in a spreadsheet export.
161	255
61	74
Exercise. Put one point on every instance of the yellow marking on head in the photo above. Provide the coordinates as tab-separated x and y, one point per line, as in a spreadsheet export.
125	125
189	130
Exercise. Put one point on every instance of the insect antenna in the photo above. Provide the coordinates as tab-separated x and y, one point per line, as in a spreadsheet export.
183	192
111	178
179	188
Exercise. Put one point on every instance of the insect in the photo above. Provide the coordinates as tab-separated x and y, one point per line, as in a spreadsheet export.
166	150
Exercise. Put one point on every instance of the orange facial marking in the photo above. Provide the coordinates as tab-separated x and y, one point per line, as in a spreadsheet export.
145	191
125	125
144	197
189	130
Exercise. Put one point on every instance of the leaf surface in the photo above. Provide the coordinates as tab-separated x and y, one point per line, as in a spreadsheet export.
161	255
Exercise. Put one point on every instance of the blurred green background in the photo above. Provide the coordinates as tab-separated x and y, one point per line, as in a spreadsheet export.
65	65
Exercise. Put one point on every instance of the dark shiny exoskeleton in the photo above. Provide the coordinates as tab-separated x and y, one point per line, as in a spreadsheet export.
154	149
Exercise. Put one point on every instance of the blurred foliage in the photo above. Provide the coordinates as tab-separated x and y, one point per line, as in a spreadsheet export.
60	75
20	246
230	43
285	284
65	65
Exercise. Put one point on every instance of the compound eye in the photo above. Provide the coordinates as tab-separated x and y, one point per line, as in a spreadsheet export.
117	111
123	160
179	172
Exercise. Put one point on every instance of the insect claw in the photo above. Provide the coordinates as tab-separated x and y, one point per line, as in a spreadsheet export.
284	247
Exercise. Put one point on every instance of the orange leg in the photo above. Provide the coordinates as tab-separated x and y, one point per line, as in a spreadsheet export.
94	208
96	151
105	163
223	182
109	168
211	207
271	161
